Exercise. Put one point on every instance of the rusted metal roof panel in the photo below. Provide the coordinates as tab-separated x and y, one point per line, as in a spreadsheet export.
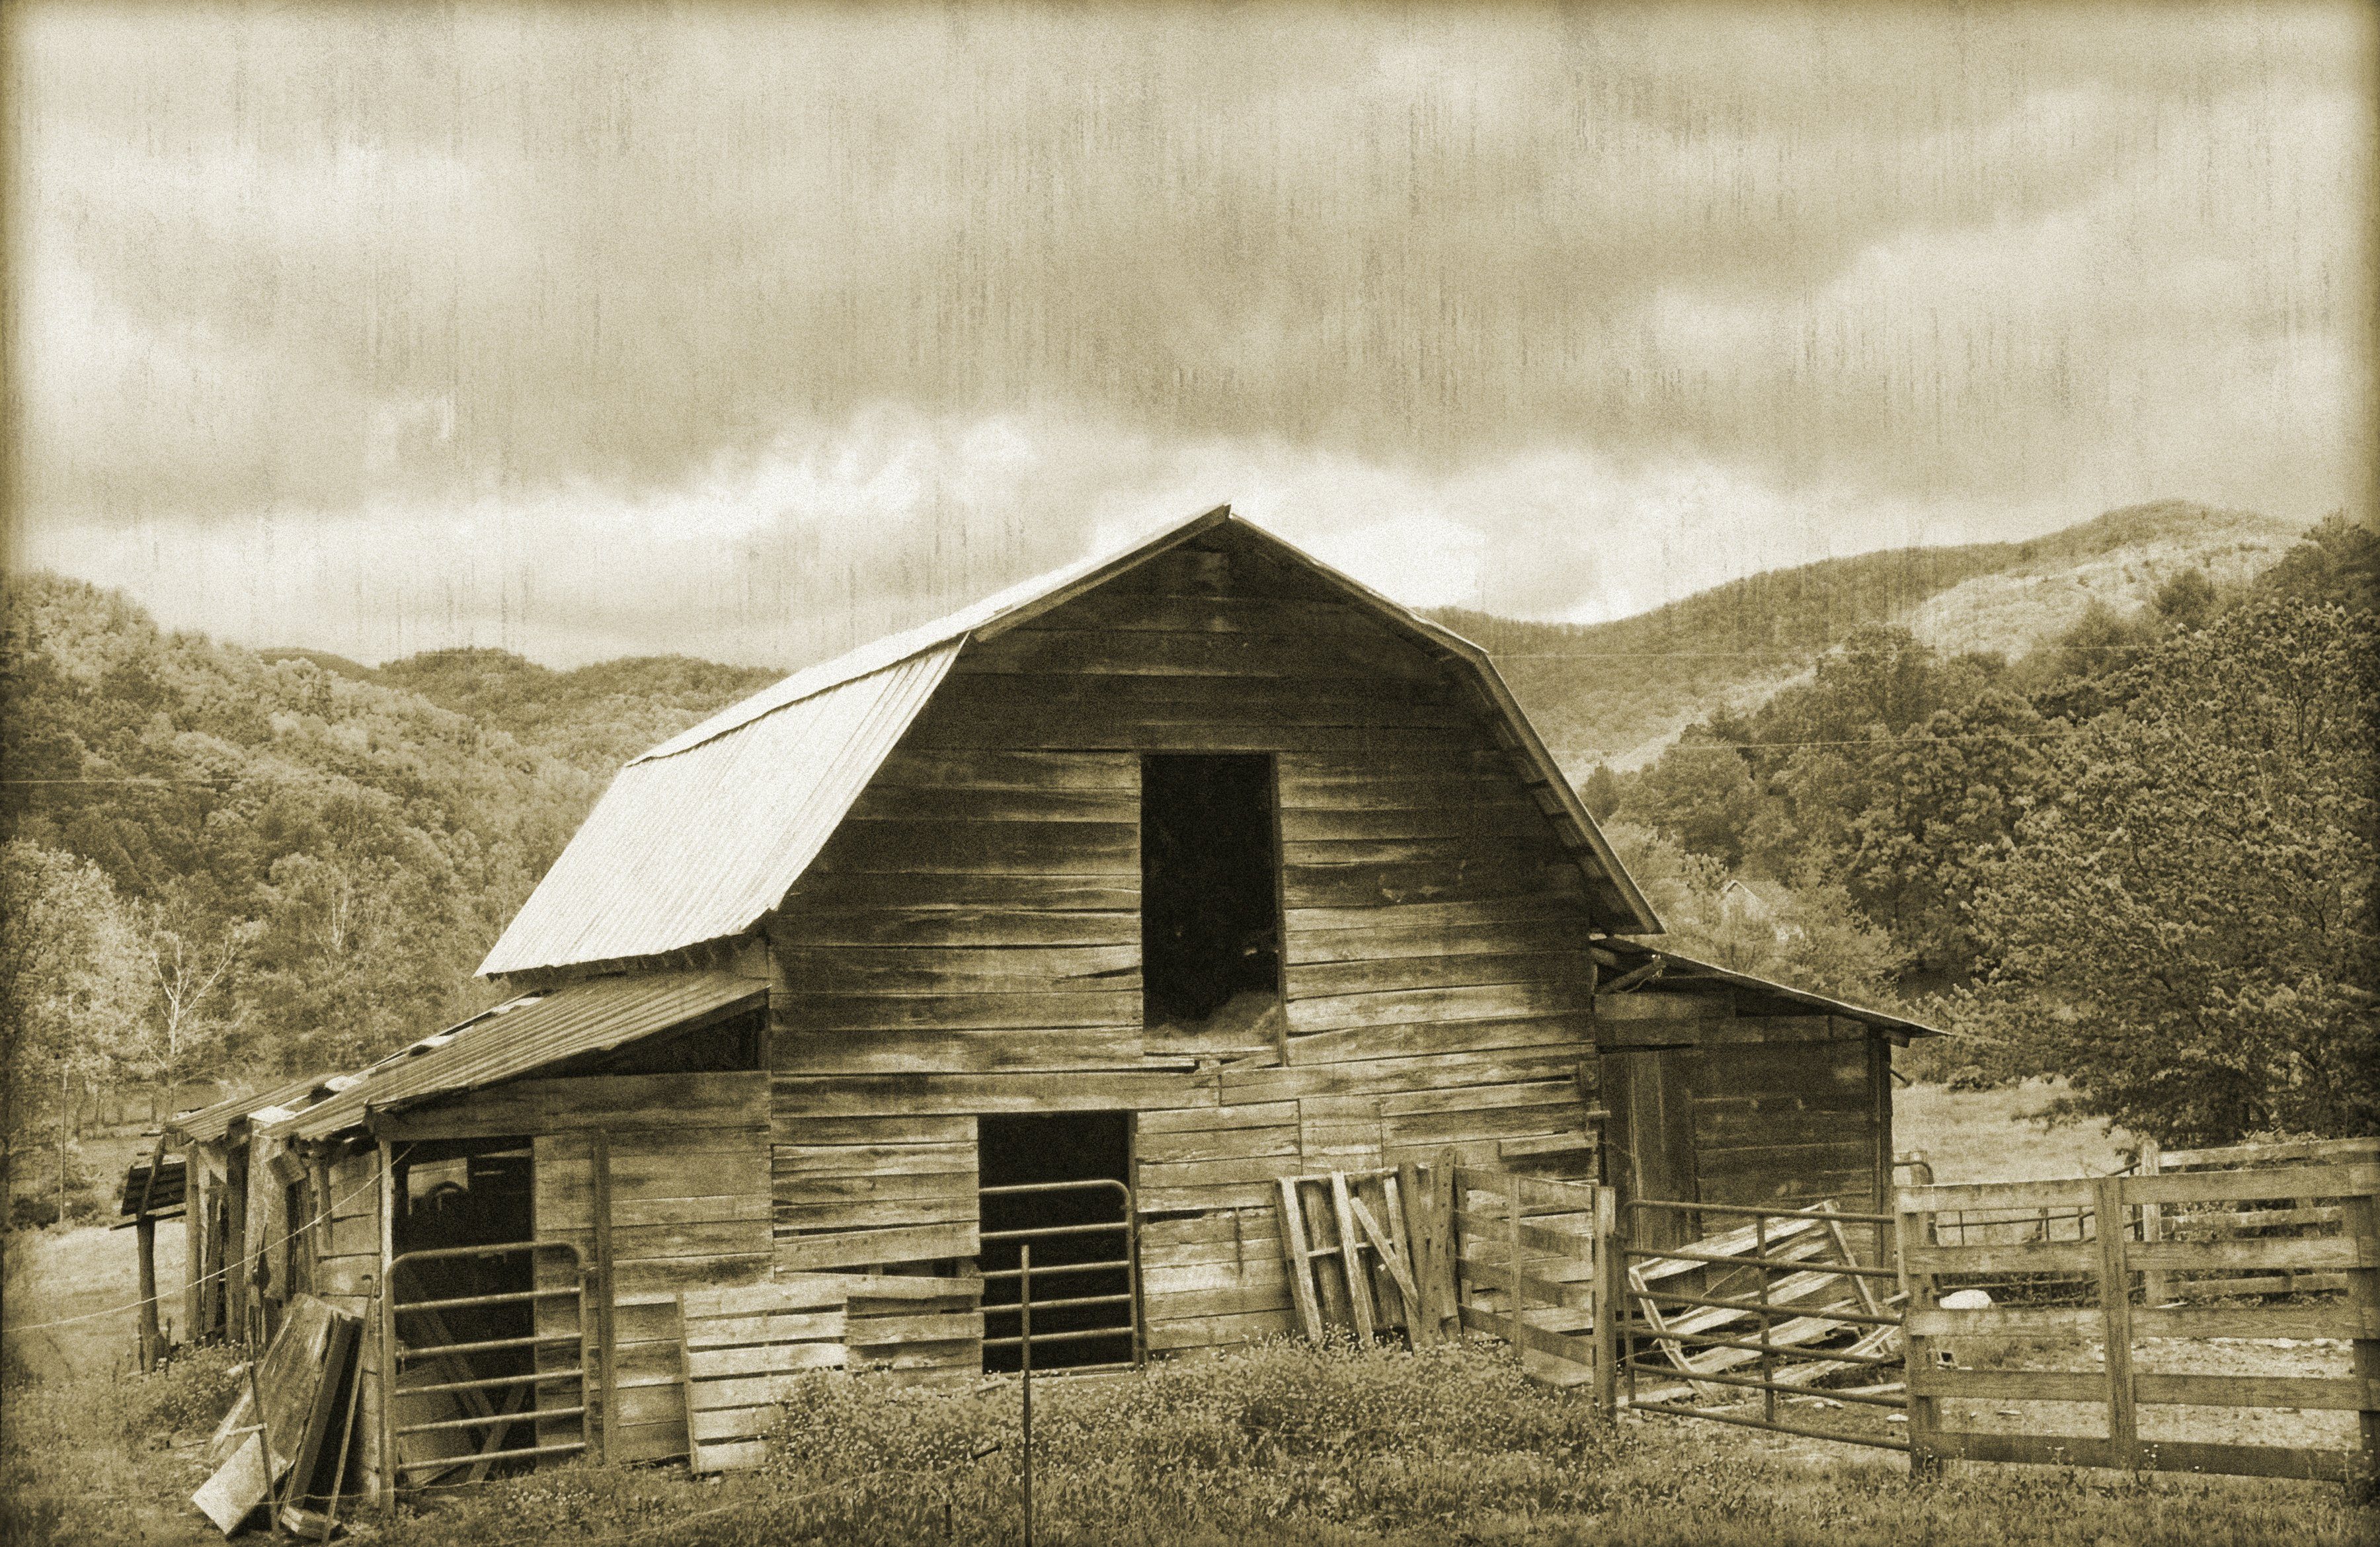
698	839
527	1034
208	1125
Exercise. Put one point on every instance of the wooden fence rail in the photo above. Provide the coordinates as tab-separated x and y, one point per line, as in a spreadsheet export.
1534	1264
2123	1240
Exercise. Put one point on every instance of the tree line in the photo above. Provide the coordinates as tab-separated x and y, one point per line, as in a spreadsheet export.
2140	860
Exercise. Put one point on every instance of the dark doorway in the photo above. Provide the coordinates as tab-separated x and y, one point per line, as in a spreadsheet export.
1209	885
455	1201
1057	1184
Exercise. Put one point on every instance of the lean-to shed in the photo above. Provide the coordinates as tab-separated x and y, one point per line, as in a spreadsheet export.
1079	917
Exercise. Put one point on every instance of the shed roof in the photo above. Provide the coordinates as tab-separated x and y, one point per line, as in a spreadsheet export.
699	838
1676	966
517	1037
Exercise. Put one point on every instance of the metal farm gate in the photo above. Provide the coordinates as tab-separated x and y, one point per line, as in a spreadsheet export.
1778	1305
468	1369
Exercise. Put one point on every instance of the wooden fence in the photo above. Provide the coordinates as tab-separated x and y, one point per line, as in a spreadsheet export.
1535	1265
2112	1248
2291	1216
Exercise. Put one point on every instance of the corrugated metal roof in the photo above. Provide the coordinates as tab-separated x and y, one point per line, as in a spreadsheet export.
529	1034
699	838
208	1125
1694	967
165	1195
697	843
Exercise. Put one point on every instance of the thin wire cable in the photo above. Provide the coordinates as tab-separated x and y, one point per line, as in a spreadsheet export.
288	1236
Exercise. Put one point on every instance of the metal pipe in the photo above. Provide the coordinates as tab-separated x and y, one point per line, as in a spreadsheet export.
1680	1254
1878	1441
1024	1353
1055	1304
1773	1388
1054	1269
1088	1335
448	1463
1709	1340
492	1421
543	1378
489	1347
1743	1209
1012	1189
462	1302
1039	1231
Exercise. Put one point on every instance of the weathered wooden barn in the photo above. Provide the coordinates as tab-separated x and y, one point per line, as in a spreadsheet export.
1077	917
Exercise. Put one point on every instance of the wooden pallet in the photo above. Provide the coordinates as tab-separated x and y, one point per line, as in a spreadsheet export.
1349	1253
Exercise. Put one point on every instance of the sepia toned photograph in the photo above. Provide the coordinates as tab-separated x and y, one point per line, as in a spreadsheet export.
1173	775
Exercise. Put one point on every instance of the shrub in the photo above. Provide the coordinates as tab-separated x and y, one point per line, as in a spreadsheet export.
28	1211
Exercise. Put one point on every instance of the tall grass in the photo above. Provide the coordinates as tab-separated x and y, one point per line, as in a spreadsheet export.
1286	1443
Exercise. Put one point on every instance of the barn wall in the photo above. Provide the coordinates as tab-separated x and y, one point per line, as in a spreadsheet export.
688	1185
1717	1099
347	1274
968	943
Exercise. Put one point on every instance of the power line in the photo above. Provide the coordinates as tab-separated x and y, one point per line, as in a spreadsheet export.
291	1234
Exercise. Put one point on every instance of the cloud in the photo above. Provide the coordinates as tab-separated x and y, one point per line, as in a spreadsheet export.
837	533
1564	304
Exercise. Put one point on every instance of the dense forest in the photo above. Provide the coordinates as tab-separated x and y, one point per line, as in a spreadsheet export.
2140	855
2141	859
247	864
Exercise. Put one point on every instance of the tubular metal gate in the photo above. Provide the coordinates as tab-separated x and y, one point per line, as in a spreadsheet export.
433	1342
1126	1260
1700	1336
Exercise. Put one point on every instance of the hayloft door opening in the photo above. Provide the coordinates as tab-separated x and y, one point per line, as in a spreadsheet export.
1209	890
1059	1184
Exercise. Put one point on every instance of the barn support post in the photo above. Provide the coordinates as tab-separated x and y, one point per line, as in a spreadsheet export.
2359	1216
389	1474
2156	1286
606	1299
145	1229
1608	1295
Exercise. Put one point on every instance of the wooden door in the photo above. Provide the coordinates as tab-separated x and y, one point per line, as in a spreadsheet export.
1651	1095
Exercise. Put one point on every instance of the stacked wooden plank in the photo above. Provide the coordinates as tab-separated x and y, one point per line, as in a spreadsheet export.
740	1348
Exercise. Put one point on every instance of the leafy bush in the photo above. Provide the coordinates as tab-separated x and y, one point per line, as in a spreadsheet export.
29	1212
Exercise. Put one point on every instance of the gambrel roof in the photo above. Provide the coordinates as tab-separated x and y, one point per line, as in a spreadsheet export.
700	838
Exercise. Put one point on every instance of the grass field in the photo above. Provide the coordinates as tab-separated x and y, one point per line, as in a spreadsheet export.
1996	1135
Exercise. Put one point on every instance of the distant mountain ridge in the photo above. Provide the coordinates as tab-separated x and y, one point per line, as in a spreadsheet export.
1620	691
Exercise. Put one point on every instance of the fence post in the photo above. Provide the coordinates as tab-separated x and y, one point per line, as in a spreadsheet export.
2156	1287
2359	1216
1607	1299
2116	1306
1913	1229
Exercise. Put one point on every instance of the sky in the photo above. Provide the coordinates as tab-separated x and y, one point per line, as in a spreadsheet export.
754	330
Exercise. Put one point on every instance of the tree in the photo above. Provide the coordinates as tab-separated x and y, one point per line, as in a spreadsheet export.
191	971
1809	937
1600	793
2185	929
73	989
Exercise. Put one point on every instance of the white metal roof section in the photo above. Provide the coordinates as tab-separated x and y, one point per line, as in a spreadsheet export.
699	838
695	844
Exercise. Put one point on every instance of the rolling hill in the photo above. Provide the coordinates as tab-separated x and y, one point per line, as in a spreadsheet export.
1620	691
